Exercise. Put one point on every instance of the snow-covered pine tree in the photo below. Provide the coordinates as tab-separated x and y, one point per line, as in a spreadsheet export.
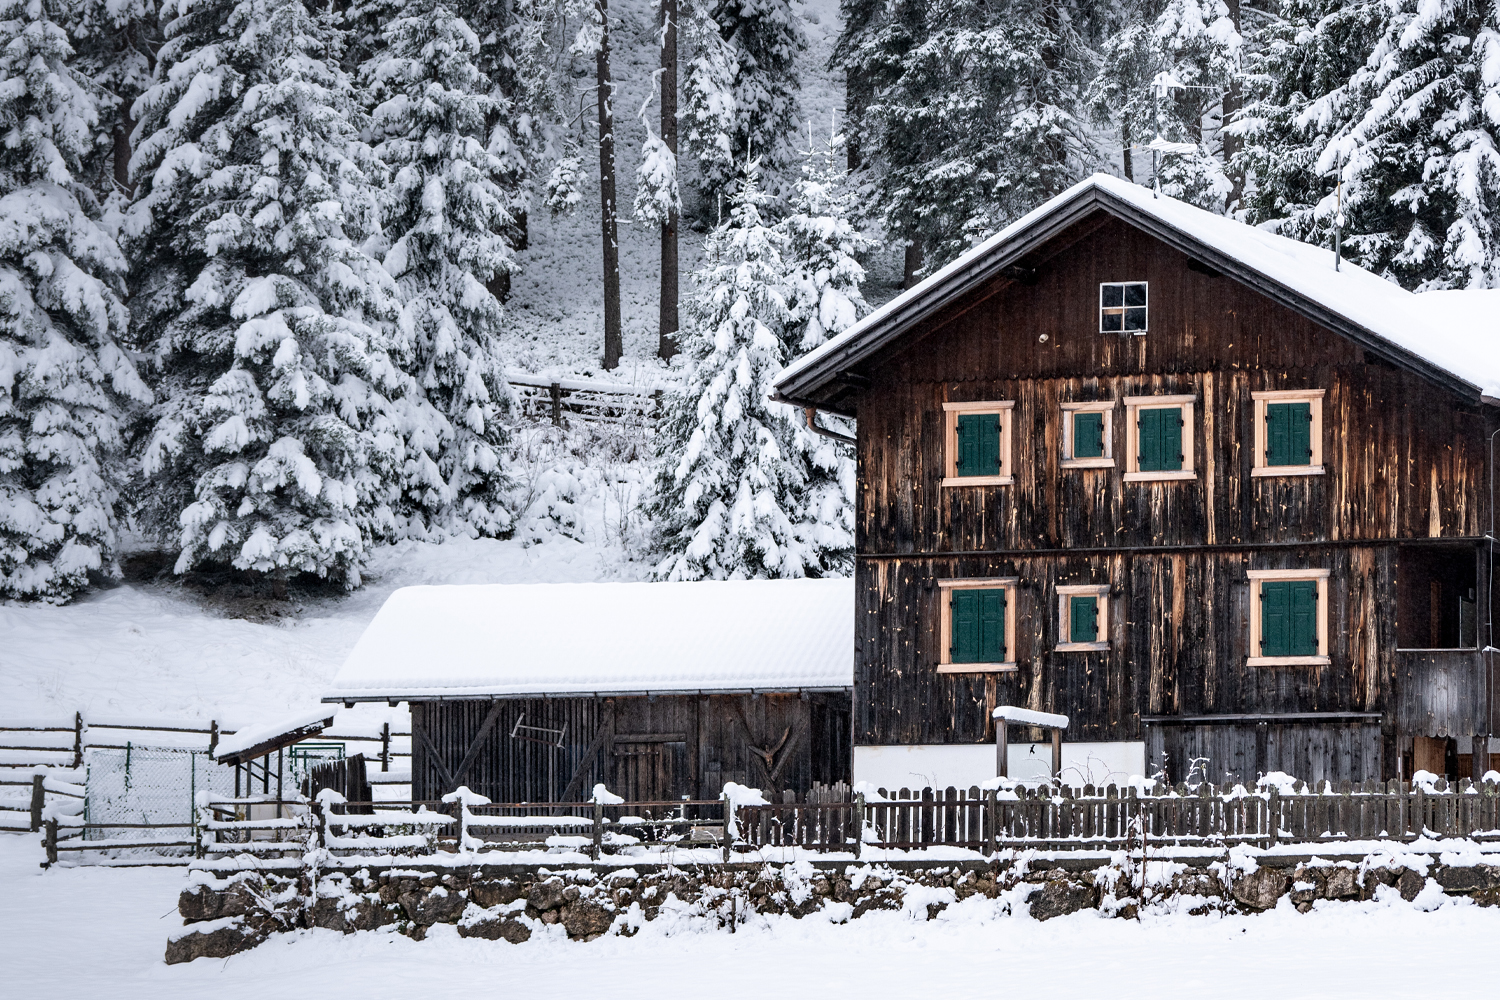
445	219
709	116
1421	164
64	378
1297	73
114	44
730	478
976	118
274	447
1164	75
824	300
765	37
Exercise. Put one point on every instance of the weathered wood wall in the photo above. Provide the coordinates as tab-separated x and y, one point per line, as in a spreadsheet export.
643	748
1405	459
1226	754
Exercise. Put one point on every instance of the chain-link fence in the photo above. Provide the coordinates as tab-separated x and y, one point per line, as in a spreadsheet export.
149	785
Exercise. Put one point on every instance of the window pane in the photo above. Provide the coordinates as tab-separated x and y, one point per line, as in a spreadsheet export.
1083	619
991	626
1112	322
1135	295
1111	295
1288	433
1275	619
1302	597
978	444
1135	319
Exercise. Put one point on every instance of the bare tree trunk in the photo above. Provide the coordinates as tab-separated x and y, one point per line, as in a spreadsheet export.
1231	144
614	344
912	264
667	324
1129	162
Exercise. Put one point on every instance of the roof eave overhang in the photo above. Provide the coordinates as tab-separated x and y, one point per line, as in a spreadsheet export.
278	742
809	387
433	696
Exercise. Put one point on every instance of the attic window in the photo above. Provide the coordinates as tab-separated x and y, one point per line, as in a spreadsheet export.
1122	307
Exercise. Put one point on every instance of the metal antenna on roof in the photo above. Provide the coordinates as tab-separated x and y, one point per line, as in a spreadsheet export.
1338	217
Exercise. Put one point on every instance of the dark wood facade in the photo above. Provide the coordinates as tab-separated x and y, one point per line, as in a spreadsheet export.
645	749
1404	490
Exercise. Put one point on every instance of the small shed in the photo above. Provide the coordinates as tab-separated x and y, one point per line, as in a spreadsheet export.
533	693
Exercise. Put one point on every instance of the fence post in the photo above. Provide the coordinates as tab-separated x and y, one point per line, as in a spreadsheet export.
992	809
728	824
49	841
77	740
38	800
598	828
1273	815
556	395
859	823
213	736
385	747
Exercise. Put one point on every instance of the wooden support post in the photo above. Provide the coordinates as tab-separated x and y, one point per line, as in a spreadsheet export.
859	823
1273	817
385	747
555	394
1057	755
49	841
728	821
1480	757
1002	762
992	809
38	800
213	736
598	829
77	740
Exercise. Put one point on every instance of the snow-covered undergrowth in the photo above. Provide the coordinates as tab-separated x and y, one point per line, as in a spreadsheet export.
1354	950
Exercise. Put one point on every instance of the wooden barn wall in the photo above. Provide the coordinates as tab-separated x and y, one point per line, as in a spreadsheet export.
1179	634
1441	692
1404	459
1323	752
700	742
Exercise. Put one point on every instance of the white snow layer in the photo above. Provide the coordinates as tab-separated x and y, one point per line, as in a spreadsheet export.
1026	717
1458	331
605	638
249	736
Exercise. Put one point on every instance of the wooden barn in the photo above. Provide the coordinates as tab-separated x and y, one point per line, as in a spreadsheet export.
534	693
1212	494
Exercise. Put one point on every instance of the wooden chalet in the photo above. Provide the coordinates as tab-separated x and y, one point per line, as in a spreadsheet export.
1210	493
534	693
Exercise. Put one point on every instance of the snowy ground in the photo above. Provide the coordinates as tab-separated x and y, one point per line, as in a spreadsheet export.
102	932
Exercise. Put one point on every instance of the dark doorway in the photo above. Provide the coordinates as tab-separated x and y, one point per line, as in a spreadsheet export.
1435	598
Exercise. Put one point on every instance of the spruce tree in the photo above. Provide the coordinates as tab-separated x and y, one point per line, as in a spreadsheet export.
730	481
445	219
115	42
64	378
823	300
276	443
977	116
765	40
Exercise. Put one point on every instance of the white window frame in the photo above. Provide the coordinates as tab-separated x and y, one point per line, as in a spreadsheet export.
1003	409
1009	584
1321	578
1258	467
1104	406
1065	595
1133	404
1121	284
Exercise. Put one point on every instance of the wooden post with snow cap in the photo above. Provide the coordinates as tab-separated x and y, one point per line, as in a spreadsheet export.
38	800
1006	714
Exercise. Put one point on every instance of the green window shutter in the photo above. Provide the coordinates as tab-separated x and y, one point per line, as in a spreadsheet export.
1088	434
964	627
1288	433
991	626
1275	618
1159	434
1083	619
1302	597
978	444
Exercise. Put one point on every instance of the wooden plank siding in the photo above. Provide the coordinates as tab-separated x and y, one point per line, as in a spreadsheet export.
652	748
1405	461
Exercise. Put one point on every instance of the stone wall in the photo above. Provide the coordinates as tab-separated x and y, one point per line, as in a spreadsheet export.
231	914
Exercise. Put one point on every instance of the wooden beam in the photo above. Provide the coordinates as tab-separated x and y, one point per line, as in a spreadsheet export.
437	758
575	783
473	752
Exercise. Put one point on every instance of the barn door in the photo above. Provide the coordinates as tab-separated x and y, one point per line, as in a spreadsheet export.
650	767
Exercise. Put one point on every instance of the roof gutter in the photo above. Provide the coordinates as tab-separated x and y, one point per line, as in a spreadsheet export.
811	415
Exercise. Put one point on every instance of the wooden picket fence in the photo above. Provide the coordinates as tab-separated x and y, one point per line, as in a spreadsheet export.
1112	818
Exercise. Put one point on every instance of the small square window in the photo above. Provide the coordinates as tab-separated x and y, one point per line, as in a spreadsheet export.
977	449
1288	433
977	625
1159	438
1088	435
1082	617
1122	307
1288	618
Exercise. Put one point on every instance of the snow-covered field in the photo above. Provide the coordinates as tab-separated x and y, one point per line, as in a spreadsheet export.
97	932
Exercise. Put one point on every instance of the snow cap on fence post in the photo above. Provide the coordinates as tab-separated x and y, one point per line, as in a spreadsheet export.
603	796
464	797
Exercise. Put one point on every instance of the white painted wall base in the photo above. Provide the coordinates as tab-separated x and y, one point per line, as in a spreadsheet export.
896	767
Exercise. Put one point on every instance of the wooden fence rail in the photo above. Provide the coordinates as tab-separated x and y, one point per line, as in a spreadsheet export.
593	400
1113	818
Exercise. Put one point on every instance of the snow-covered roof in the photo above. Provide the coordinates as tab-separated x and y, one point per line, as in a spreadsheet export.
267	737
1027	717
1451	336
563	639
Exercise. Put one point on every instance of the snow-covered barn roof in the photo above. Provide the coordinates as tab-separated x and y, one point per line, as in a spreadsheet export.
579	639
1452	338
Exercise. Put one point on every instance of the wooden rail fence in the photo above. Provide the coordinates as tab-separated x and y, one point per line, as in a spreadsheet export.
592	400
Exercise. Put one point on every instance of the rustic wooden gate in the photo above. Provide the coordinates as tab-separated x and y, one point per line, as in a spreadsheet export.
650	767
